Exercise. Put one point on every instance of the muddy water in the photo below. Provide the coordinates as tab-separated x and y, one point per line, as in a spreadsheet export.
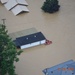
58	27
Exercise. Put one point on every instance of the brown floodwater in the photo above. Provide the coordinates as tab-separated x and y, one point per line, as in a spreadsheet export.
58	27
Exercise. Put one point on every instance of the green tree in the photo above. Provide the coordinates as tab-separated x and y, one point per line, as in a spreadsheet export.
8	53
50	6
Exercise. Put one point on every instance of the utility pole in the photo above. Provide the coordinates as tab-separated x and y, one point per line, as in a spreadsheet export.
3	21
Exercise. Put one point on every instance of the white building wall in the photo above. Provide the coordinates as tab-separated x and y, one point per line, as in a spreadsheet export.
25	46
43	41
33	44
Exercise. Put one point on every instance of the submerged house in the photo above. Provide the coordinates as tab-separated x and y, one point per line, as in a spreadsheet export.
30	40
65	68
16	6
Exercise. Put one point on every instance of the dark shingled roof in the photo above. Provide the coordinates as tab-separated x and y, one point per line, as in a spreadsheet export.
29	39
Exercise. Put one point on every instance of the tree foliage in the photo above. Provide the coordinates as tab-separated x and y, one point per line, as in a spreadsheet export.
50	6
8	53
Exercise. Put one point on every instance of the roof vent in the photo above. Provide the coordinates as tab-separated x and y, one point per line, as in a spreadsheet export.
34	35
27	38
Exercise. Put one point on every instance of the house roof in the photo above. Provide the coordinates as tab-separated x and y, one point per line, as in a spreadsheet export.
65	68
12	3
18	9
29	39
4	1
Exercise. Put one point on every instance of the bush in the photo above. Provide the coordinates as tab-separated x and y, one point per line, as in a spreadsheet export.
50	6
